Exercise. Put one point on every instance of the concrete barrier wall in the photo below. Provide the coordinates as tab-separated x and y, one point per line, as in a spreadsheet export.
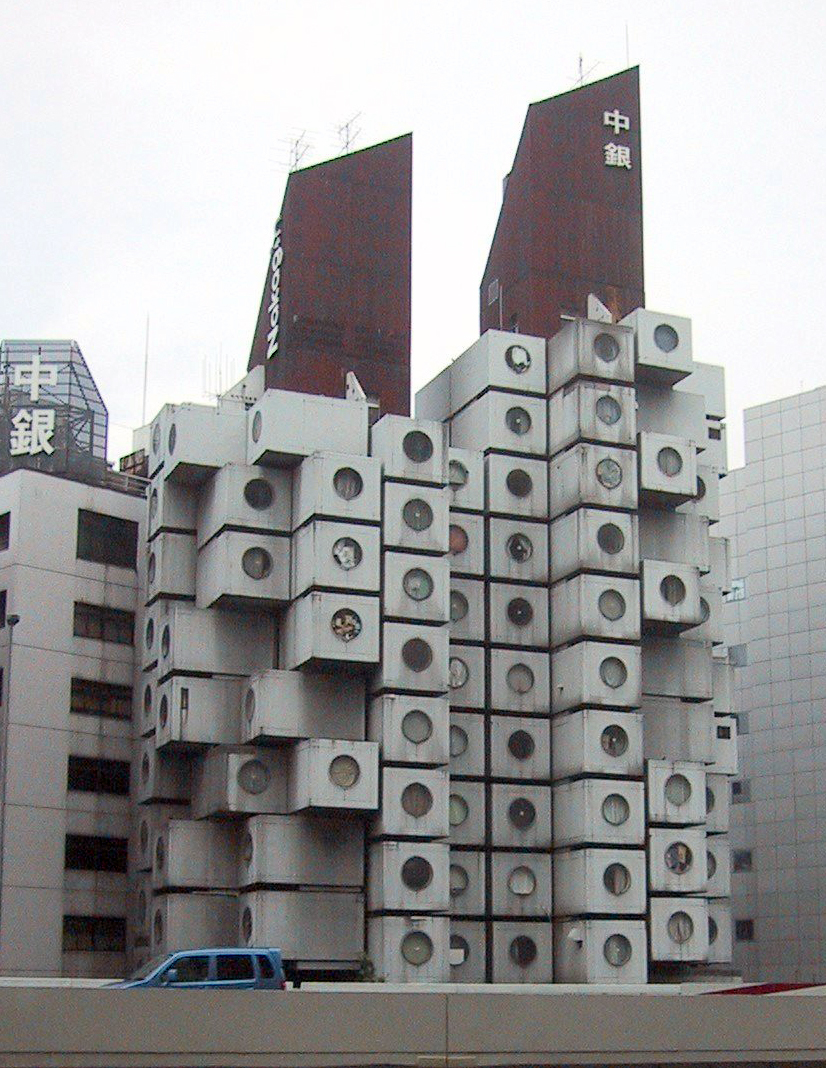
87	1028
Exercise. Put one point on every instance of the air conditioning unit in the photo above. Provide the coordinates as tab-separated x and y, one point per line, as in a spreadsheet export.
591	539
520	815
676	792
601	951
670	596
518	615
191	920
706	501
678	730
311	925
588	349
241	570
416	518
467	743
674	667
196	854
467	951
596	741
408	877
284	427
601	674
520	748
466	479
600	882
718	802
466	813
521	884
716	445
416	588
592	411
724	746
522	952
192	712
409	949
327	773
595	606
334	485
599	812
677	862
718	862
326	629
148	820
519	680
662	346
516	486
229	782
668	470
679	928
498	360
467	609
414	803
466	676
301	850
161	776
193	441
170	566
497	420
466	538
414	657
599	475
332	555
670	535
411	729
413	450
466	879
173	508
722	686
518	550
193	640
249	498
719	932
711	613
671	411
278	706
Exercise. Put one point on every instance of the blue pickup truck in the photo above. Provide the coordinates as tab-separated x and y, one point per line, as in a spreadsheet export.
237	969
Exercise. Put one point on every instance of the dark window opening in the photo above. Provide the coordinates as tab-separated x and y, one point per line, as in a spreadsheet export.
724	732
104	624
99	776
715	433
740	791
94	934
92	698
3	598
5	530
105	539
91	852
266	968
234	966
741	860
744	930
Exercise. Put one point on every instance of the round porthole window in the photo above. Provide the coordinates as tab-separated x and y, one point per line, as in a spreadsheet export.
151	568
610	539
257	563
606	348
669	461
523	951
608	410
417	948
457	474
458	673
519	482
617	950
666	337
701	488
459	880
163	711
609	473
705	610
417	726
616	879
518	420
457	539
520	678
672	589
172	439
153	504
258	494
417	447
680	927
147	701
344	772
257	426
347	553
521	813
710	799
145	768
417	654
678	858
254	777
458	741
150	633
459	606
613	672
611	604
160	853
520	612
156	437
165	641
246	925
614	740
247	849
518	359
417	873
346	624
711	863
417	514
677	789
459	950
522	881
417	800
417	584
521	745
347	483
457	810
249	705
157	927
712	930
615	810
519	548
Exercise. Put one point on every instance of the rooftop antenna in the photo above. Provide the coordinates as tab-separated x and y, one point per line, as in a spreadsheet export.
298	147
582	73
347	135
145	371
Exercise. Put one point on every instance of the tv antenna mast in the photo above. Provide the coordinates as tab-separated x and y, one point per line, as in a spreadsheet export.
298	147
582	73
347	135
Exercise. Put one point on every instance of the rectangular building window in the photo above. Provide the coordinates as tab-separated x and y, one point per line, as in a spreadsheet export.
93	698
741	860
94	934
5	530
98	776
714	433
104	624
105	539
740	791
92	852
744	930
3	599
724	732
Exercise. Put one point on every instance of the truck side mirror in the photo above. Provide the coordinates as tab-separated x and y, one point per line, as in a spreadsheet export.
170	976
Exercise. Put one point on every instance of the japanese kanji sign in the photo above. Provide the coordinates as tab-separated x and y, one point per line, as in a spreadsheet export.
33	428
617	155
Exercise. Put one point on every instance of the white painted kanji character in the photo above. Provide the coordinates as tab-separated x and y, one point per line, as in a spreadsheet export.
616	121
32	430
617	156
34	375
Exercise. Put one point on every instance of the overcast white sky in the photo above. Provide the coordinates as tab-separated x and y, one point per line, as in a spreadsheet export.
143	167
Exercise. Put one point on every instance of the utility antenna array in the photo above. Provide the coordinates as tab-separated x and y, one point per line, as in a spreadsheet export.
582	74
347	133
